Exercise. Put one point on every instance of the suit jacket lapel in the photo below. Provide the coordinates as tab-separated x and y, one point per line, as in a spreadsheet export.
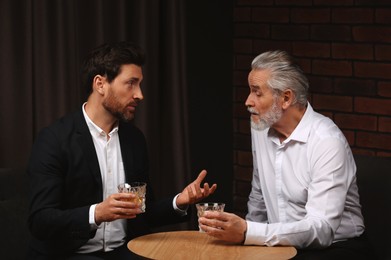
126	151
87	145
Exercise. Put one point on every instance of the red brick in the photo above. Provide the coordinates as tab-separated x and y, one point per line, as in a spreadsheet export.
320	84
235	156
245	158
372	34
384	89
373	140
252	30
244	126
294	3
355	87
311	49
270	15
382	15
241	94
290	32
243	46
240	205
360	151
242	188
383	154
327	114
310	15
350	137
330	33
383	52
333	2
267	45
372	70
235	125
240	110
243	62
255	2
352	121
352	51
242	142
242	14
240	77
332	67
385	124
243	173
353	15
334	103
304	64
374	106
373	2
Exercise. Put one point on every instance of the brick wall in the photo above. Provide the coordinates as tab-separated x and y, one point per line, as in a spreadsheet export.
344	47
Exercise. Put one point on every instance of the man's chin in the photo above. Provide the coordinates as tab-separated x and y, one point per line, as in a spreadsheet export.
258	125
126	117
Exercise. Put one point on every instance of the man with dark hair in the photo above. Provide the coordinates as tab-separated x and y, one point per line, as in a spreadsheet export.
77	163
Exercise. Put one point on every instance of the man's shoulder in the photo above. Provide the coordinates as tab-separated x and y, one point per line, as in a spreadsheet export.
67	119
66	124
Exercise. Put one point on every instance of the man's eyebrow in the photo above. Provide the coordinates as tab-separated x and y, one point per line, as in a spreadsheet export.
134	79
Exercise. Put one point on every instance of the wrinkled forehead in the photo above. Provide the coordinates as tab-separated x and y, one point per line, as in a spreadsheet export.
258	78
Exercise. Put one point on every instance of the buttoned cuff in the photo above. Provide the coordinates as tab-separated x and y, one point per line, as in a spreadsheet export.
254	233
93	225
178	210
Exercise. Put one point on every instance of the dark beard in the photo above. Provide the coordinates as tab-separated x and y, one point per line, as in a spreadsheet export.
113	106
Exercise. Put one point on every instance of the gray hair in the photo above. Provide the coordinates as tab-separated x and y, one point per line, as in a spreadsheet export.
285	74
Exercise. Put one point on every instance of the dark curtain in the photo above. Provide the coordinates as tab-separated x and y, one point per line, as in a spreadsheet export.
187	111
42	45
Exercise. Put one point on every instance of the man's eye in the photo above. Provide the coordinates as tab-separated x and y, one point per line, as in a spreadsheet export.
257	93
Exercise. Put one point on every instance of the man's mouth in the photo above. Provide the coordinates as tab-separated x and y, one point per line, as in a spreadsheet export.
252	111
132	106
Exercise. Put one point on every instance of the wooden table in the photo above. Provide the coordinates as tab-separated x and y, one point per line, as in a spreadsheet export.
197	245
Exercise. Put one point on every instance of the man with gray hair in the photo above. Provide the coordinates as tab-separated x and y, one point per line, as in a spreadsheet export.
304	192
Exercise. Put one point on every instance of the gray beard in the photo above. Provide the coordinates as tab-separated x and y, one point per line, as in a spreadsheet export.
269	119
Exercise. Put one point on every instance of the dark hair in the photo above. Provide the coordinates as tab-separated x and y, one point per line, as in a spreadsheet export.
107	59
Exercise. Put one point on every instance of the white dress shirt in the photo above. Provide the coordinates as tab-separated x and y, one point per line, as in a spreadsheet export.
109	235
304	190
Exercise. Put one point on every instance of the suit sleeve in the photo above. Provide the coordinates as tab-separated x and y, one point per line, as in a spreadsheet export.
50	217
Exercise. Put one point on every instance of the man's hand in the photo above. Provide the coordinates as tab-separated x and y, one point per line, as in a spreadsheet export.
223	225
194	193
117	206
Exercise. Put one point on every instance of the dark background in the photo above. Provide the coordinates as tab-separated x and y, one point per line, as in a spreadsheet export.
209	62
199	55
187	112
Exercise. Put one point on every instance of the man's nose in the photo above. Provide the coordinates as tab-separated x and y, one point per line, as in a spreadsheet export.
249	102
138	94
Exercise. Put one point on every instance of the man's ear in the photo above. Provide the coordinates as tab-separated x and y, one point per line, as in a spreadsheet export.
98	84
288	97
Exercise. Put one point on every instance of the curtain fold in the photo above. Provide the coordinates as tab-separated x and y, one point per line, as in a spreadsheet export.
16	116
42	46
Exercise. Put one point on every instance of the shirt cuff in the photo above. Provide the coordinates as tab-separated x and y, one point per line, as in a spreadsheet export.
253	234
93	225
178	210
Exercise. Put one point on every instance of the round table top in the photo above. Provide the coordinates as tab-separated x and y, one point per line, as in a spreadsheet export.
198	245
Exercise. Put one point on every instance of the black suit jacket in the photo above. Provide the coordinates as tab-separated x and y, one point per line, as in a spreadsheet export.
65	180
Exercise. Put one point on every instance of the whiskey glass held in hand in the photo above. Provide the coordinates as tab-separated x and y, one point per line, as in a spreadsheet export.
208	206
137	188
